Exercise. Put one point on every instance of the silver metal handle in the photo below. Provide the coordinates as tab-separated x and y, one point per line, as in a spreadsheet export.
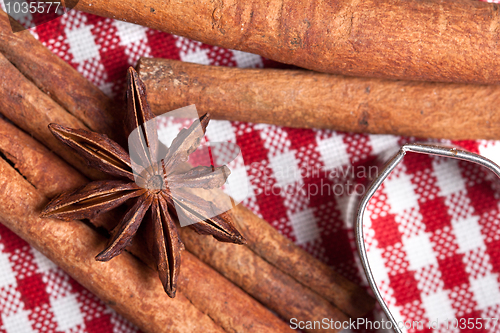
420	148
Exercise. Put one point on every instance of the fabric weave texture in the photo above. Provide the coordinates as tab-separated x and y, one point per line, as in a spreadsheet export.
432	230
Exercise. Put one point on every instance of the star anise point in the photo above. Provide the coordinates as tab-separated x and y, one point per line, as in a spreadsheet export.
150	190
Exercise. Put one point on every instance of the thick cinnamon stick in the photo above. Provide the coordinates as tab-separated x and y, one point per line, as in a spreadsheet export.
299	98
190	280
35	162
124	283
228	305
277	290
32	110
57	79
434	40
276	249
221	300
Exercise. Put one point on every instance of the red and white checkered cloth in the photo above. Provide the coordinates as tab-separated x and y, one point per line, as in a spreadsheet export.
432	229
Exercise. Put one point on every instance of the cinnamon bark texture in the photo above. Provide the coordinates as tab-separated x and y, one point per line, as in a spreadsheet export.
125	284
40	166
416	40
298	98
57	79
273	288
211	308
32	110
229	307
276	249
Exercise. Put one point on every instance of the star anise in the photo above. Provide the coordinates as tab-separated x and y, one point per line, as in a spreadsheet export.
150	190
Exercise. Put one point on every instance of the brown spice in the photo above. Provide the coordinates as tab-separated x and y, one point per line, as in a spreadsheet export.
268	284
125	284
58	79
149	190
299	98
433	40
230	307
33	161
30	109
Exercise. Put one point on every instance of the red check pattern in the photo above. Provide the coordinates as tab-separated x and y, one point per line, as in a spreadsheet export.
432	230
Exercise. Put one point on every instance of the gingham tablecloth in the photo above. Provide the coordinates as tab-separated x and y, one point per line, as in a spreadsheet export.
431	230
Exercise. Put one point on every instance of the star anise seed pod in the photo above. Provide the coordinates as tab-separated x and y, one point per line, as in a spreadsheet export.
149	190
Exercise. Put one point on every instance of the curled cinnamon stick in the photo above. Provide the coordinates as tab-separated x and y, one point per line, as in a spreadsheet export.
32	110
277	290
224	302
57	79
435	40
124	283
207	290
299	98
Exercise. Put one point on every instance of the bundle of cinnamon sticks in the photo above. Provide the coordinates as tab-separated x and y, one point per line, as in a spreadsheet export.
257	288
433	40
446	41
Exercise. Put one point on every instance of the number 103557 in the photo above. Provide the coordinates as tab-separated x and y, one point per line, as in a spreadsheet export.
14	7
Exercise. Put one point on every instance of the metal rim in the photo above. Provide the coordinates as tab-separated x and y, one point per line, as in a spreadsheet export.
420	148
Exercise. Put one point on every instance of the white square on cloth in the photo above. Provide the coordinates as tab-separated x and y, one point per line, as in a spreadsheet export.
7	275
438	306
129	33
400	193
486	290
448	177
285	168
333	152
82	44
220	131
304	226
377	265
66	312
17	323
419	251
468	233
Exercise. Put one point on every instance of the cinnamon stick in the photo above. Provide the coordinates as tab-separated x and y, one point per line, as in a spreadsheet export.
276	249
228	306
57	79
434	40
103	222
32	110
298	98
277	290
35	162
126	284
